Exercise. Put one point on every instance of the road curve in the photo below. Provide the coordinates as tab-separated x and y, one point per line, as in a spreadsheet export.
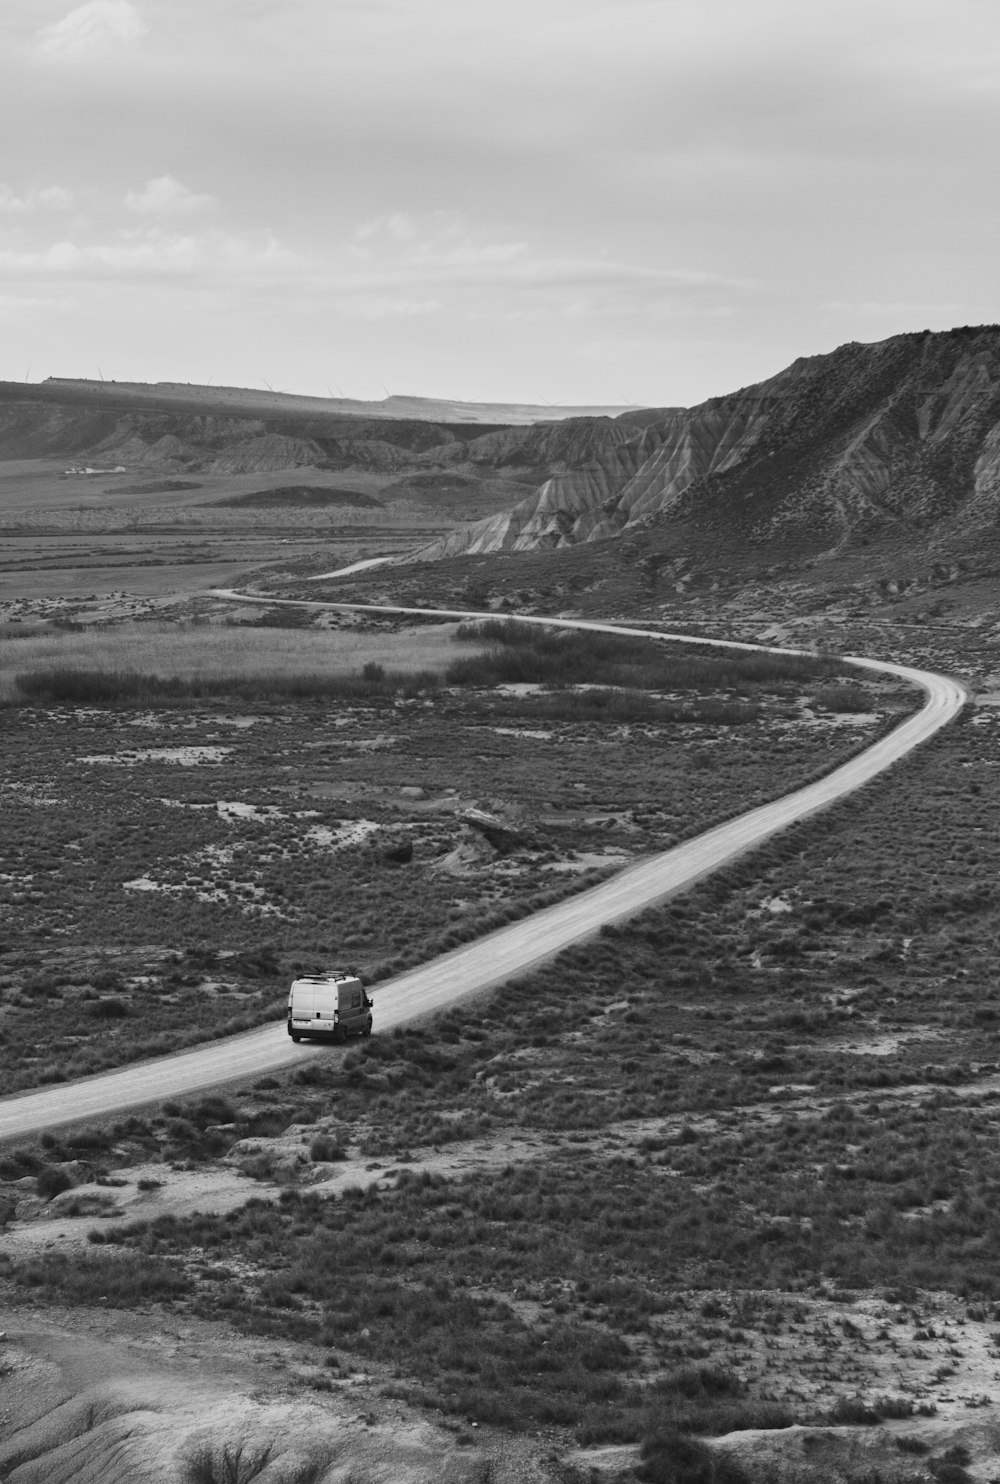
510	951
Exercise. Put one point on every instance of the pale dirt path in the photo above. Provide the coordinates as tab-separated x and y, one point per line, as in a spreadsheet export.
510	951
347	571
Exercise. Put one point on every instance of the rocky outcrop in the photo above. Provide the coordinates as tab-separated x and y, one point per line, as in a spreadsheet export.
554	447
502	835
579	505
692	447
265	455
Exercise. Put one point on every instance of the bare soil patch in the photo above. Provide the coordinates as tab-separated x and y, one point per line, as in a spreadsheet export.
107	1396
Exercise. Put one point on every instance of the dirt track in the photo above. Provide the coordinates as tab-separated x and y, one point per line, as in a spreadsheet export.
510	951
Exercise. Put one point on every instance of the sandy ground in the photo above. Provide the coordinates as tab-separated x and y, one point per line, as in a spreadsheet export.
216	1189
111	1398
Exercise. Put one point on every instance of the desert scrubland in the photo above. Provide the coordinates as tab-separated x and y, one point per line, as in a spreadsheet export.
710	1196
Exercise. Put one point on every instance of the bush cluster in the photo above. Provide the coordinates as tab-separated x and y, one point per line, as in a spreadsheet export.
530	654
65	686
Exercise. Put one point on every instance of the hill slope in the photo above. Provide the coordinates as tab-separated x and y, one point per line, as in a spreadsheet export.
904	434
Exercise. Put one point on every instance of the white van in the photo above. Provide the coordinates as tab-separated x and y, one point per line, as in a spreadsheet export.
333	1005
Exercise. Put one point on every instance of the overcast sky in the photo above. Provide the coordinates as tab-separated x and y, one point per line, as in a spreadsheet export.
576	201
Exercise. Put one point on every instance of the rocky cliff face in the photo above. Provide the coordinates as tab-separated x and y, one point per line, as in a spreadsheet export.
574	505
904	433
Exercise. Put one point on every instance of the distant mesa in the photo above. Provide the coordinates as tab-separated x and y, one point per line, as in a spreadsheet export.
249	399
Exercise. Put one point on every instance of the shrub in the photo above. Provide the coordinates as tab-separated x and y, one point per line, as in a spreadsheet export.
122	1280
854	1411
949	1467
53	1180
325	1148
107	1009
212	1109
671	1458
709	1399
841	698
528	653
68	687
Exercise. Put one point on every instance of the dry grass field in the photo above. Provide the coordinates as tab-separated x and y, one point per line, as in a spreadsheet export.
38	493
207	651
153	538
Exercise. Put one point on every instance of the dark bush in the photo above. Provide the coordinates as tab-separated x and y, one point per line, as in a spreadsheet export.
122	1280
841	698
111	1008
531	654
68	687
709	1399
53	1180
325	1149
950	1466
672	1458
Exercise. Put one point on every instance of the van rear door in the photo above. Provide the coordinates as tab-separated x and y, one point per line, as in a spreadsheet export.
325	1005
302	999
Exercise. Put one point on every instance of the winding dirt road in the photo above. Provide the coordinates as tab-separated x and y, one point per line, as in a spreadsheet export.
510	951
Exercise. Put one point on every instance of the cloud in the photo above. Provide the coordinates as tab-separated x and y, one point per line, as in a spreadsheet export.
891	307
91	30
12	305
371	306
165	196
395	268
443	252
456	261
214	258
478	288
401	226
55	198
49	198
432	240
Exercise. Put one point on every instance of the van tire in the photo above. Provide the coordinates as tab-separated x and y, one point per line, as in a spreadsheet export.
338	1036
295	1036
366	1029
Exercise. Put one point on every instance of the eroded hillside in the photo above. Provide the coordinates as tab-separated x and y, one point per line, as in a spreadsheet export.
903	435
